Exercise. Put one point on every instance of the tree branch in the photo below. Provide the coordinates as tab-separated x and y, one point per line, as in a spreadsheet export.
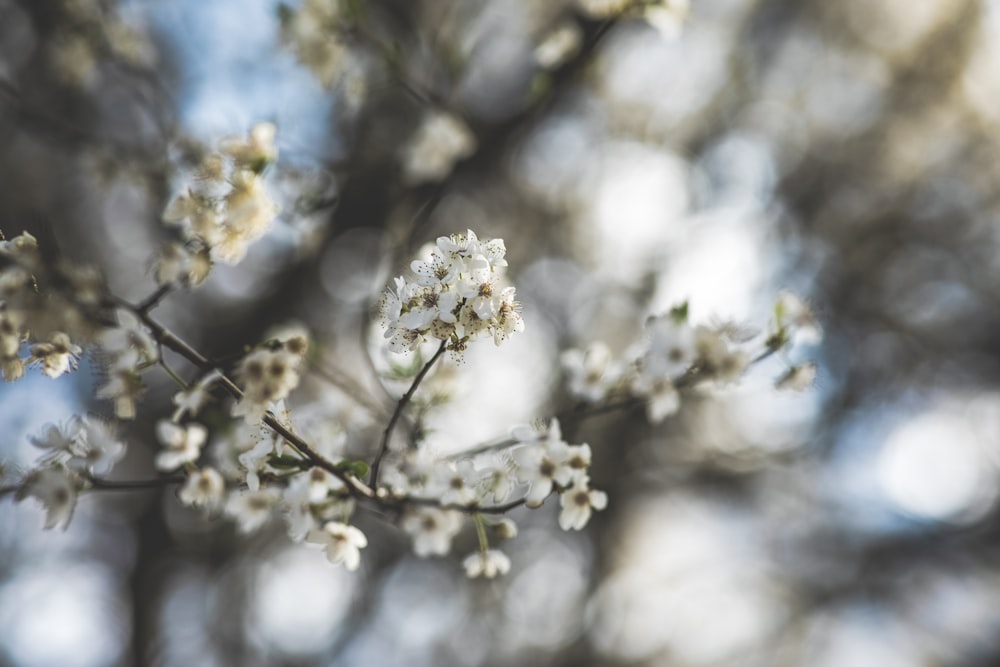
403	401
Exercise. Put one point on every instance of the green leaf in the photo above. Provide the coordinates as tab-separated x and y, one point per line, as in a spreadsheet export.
357	468
679	313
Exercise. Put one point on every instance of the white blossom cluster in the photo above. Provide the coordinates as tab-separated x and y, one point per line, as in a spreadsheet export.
675	351
268	375
59	323
71	453
30	311
538	464
457	295
258	468
88	32
312	31
127	350
222	210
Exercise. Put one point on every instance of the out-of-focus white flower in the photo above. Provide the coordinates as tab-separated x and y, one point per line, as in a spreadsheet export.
797	378
432	529
671	349
73	58
590	373
306	497
128	345
311	32
545	460
58	440
225	208
561	44
57	356
341	542
505	529
56	489
795	320
602	9
254	152
667	17
124	388
83	444
178	264
577	502
254	460
203	488
190	401
97	449
454	483
497	477
251	509
486	564
441	140
268	375
183	444
717	359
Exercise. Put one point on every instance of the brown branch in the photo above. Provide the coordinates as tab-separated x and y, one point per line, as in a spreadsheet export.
133	484
170	340
403	401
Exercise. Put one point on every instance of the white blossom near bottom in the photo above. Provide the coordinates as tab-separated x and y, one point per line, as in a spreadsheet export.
577	503
341	542
486	564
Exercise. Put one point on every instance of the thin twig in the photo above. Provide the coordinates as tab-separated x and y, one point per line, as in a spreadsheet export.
154	299
168	339
350	388
133	484
403	401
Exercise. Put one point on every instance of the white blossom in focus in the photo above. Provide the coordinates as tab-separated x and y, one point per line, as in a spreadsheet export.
458	295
